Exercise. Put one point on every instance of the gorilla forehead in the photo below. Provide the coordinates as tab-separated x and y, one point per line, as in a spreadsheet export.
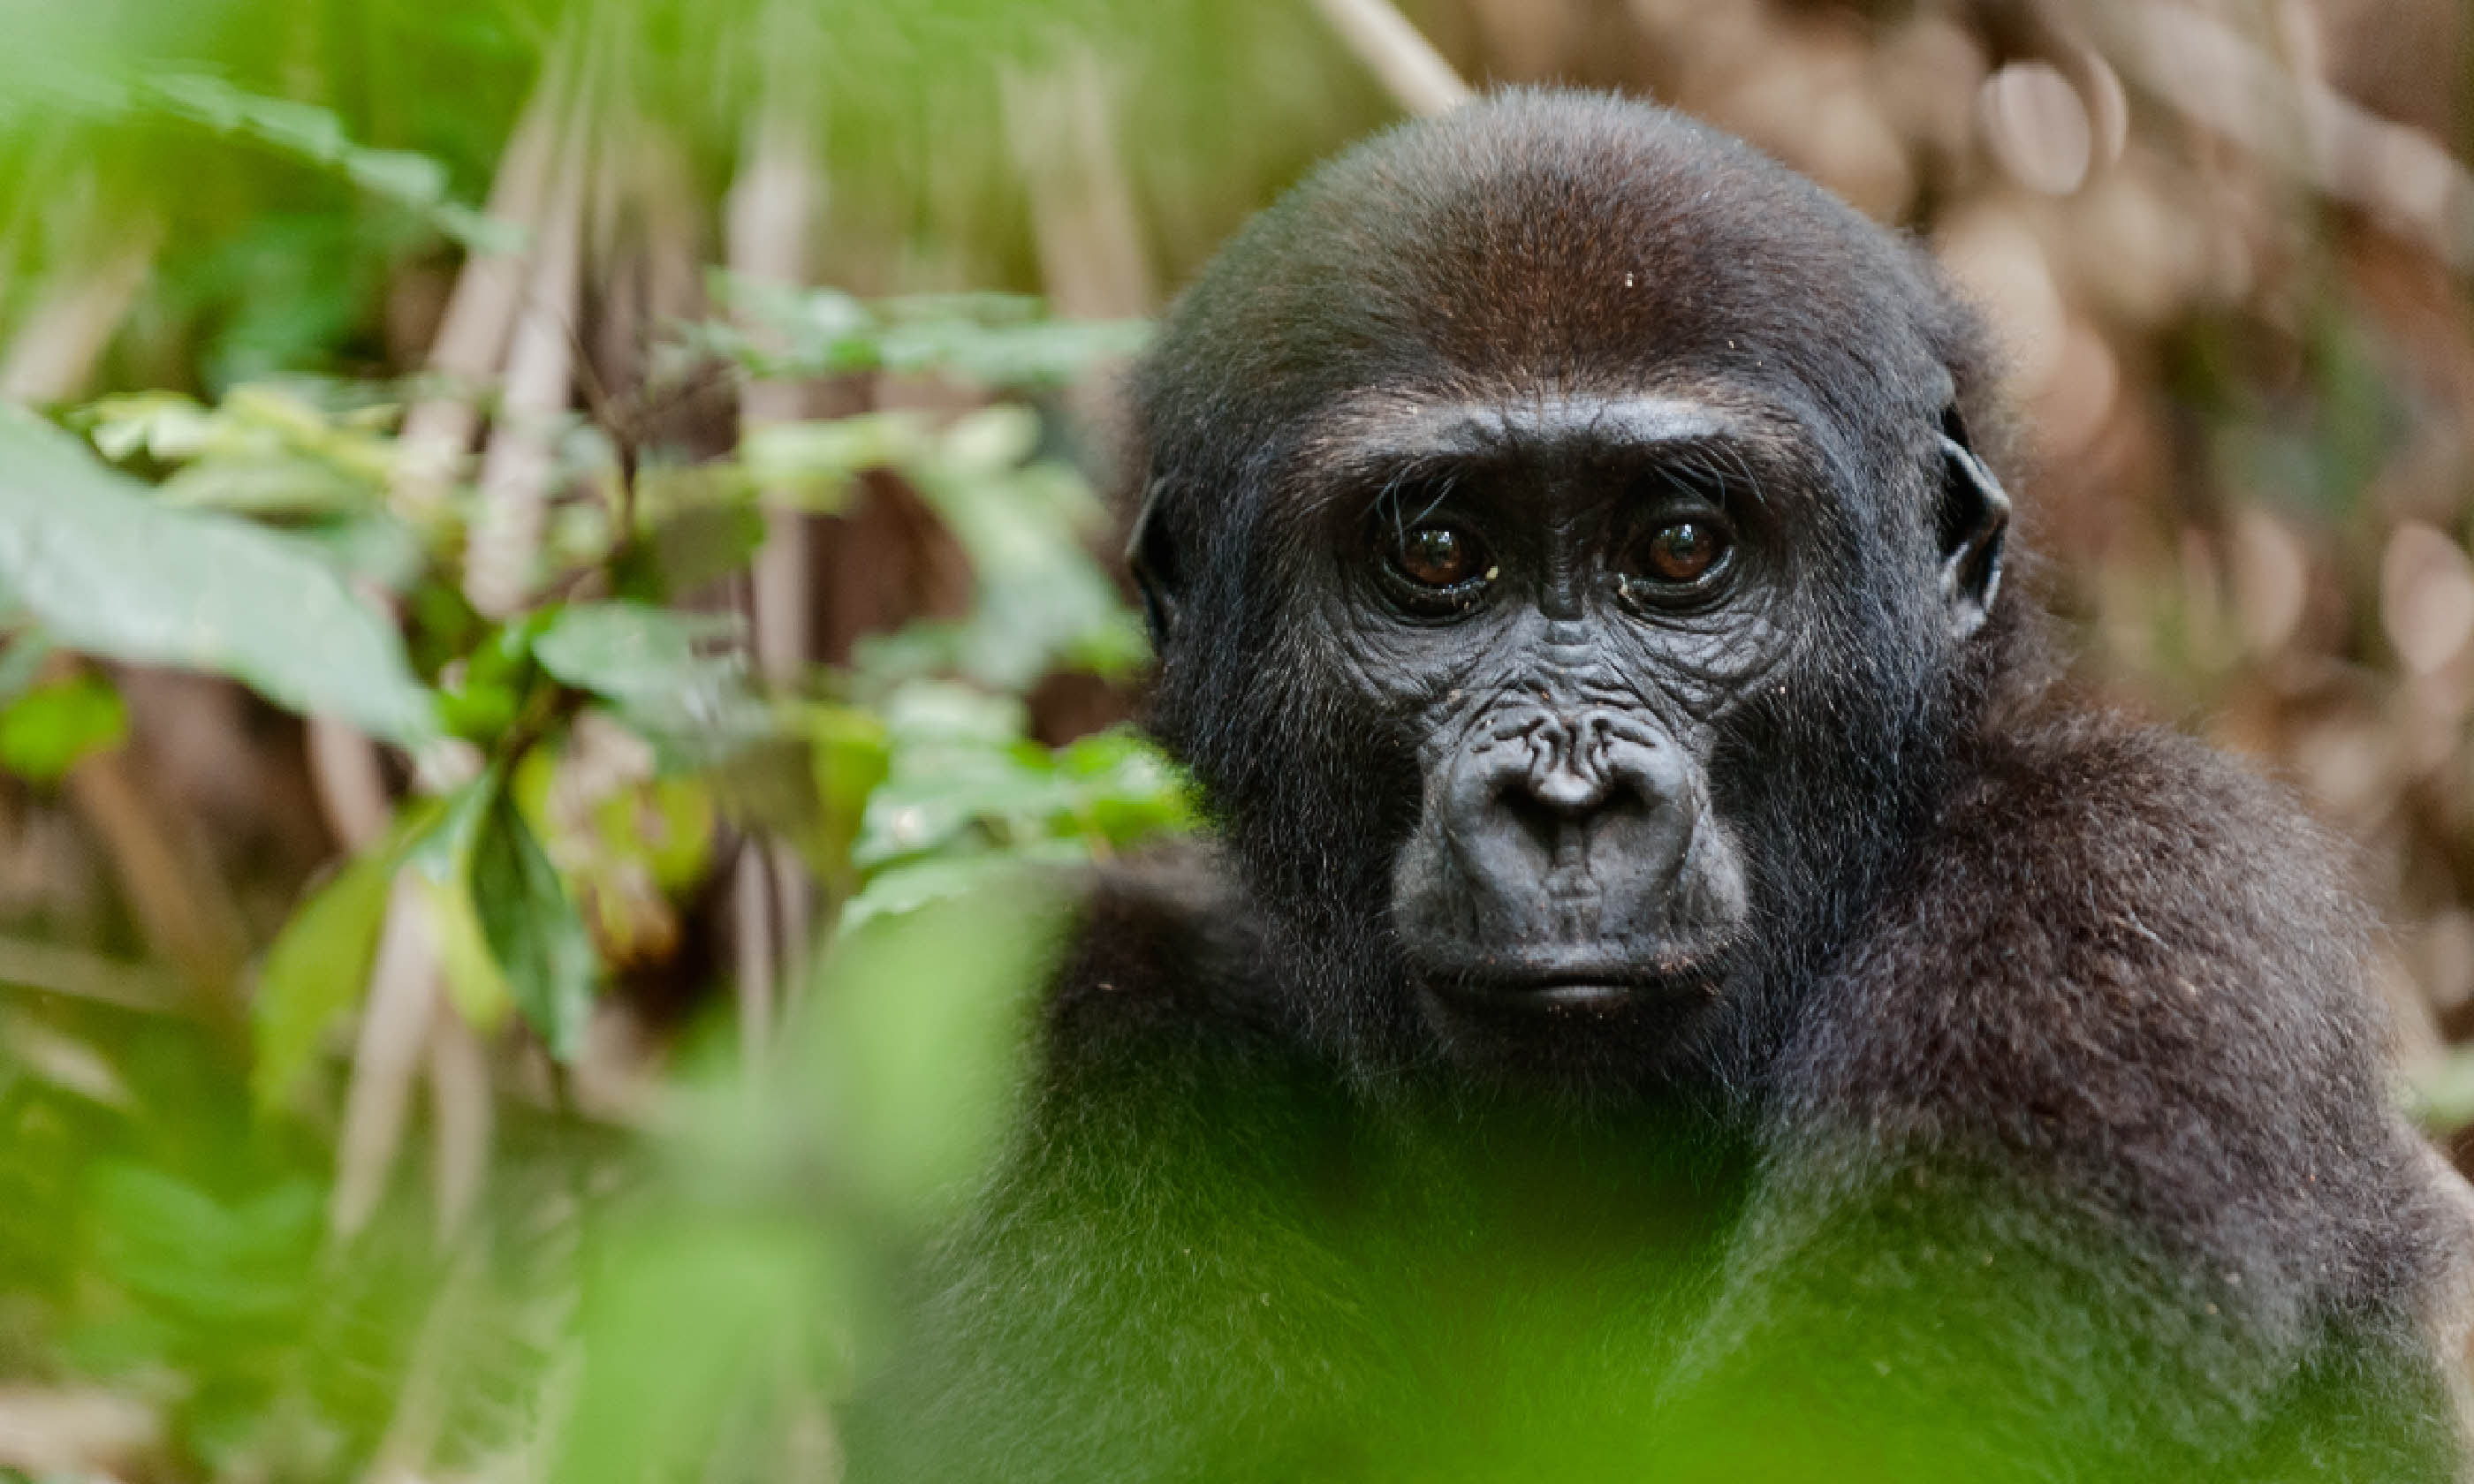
1541	243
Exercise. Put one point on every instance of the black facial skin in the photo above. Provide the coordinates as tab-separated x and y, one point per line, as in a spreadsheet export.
1675	989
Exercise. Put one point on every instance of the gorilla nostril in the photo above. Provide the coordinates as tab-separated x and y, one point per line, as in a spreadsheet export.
1568	790
1567	771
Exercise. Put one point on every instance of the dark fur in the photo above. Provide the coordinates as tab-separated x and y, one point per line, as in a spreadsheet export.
2037	1131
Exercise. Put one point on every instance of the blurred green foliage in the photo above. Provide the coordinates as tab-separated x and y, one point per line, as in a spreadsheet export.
258	537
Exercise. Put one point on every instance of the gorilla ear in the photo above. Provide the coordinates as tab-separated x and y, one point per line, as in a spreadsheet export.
1151	555
1973	521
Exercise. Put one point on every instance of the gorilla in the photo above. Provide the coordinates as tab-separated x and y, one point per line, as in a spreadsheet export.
1675	987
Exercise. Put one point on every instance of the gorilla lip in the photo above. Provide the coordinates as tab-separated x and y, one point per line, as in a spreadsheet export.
1553	995
1568	981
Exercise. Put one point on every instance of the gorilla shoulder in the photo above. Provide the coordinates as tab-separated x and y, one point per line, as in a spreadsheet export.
1164	958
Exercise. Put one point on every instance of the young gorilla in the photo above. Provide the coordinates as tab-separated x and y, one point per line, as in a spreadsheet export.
1675	992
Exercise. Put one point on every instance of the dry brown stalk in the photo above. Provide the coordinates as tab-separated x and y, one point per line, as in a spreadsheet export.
464	1113
396	1021
1083	218
1406	64
351	786
1086	224
771	206
38	968
754	936
473	334
771	211
53	357
181	901
519	463
183	904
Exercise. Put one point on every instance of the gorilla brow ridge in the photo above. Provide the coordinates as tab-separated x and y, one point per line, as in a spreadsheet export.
1716	460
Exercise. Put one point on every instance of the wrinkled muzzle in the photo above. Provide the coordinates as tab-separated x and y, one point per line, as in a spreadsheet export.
1563	843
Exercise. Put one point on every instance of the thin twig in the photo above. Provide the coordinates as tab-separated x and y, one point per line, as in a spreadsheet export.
54	356
1084	222
1405	63
395	1027
185	907
472	341
522	458
751	900
56	969
344	773
772	207
463	1112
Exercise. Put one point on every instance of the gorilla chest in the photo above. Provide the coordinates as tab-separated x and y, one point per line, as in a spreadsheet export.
1488	1282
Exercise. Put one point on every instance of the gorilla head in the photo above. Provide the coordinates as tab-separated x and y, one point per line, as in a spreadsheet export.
1568	568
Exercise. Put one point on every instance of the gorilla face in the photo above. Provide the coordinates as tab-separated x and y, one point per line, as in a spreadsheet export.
1560	620
1565	605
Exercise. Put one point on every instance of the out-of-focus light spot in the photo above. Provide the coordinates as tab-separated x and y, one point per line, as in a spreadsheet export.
2426	596
2078	396
2001	268
2271	580
2108	107
2037	126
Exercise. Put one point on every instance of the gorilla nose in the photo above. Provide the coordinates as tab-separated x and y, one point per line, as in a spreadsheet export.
1570	770
1558	836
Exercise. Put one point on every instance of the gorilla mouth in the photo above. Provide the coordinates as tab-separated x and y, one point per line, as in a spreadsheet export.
1551	995
1568	978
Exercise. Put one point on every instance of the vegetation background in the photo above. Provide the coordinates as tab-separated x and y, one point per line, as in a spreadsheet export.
553	612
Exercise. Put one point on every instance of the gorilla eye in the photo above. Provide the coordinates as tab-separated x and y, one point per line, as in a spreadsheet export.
1435	569
1438	557
1684	551
1681	562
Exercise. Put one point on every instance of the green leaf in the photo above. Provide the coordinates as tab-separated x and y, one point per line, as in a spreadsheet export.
266	448
919	1035
316	136
683	552
375	548
1026	528
657	669
281	485
169	426
994	338
903	890
1126	789
112	571
690	1313
442	860
1018	356
812	464
849	752
46	732
533	929
241	1265
937	711
627	651
319	965
964	782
